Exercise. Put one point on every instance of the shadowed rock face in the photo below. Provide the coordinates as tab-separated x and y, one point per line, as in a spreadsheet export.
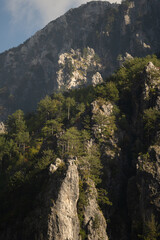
29	72
94	220
146	183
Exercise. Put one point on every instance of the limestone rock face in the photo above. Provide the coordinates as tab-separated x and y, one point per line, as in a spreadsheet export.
54	167
2	128
152	83
97	79
63	220
103	120
102	107
78	69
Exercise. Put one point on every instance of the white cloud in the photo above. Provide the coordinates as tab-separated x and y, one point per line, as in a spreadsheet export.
37	13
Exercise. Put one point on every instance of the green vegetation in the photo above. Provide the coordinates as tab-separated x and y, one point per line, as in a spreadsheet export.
110	19
82	202
103	197
85	52
69	67
65	125
129	78
151	230
96	222
151	119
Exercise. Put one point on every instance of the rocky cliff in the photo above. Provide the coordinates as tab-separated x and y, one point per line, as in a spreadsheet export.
63	220
146	182
41	64
77	69
56	215
110	188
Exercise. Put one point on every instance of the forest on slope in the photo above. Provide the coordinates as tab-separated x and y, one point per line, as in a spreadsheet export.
112	130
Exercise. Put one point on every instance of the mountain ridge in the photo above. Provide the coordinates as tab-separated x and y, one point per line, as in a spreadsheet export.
29	72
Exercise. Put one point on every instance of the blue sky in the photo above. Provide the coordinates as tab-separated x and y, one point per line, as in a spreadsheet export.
20	19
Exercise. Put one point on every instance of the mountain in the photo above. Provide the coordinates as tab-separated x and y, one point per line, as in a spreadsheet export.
81	47
85	165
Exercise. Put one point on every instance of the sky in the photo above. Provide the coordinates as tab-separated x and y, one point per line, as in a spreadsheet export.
20	19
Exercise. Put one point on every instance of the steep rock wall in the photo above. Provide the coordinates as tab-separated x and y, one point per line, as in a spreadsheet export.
63	222
143	187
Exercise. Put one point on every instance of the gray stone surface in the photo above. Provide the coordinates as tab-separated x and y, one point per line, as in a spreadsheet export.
63	222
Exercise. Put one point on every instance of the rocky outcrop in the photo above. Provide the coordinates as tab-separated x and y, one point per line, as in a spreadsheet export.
63	220
103	119
78	69
2	128
151	92
54	167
